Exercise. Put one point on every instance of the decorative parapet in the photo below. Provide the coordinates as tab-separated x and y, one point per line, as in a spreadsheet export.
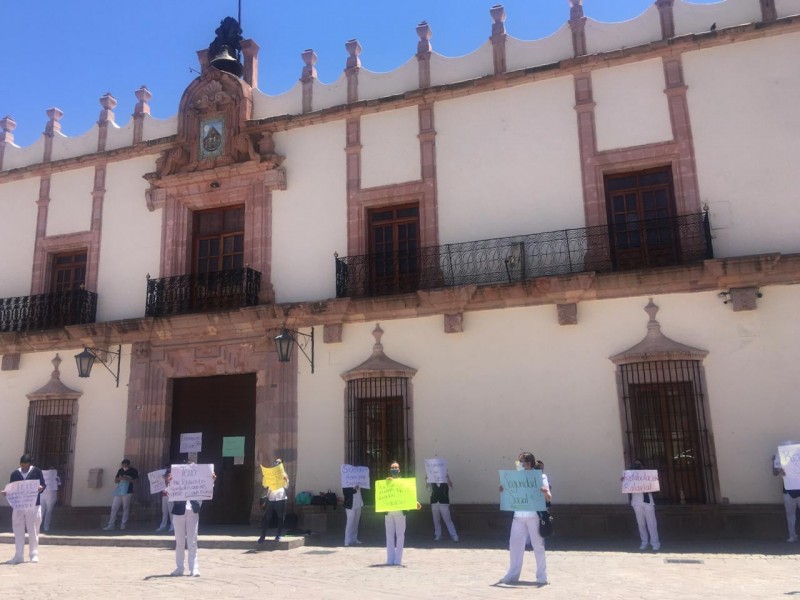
308	78
424	50
577	24
106	118
142	108
352	68
250	52
7	126
52	129
667	18
498	38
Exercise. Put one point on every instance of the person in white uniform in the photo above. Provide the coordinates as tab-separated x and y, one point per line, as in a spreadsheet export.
440	509
185	523
644	508
49	496
353	503
27	518
791	498
395	521
525	524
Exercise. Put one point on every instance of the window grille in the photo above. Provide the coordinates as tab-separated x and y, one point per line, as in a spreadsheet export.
50	439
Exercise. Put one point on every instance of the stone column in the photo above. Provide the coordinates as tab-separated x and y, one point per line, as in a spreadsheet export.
424	50
352	69
141	109
308	78
498	38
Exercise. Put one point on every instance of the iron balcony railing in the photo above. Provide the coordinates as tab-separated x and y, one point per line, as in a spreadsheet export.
47	311
202	292
631	245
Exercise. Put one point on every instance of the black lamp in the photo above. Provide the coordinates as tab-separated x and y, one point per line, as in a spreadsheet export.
85	361
288	338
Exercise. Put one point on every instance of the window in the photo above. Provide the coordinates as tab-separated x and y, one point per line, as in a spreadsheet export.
394	249
378	414
218	239
69	271
641	207
666	426
51	424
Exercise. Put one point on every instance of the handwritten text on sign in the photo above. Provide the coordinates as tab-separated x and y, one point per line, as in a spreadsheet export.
51	479
22	494
191	442
191	482
640	480
355	476
396	494
521	491
273	478
157	482
436	470
790	463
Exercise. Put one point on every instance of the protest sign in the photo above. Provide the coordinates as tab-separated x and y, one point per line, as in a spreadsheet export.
51	479
191	442
157	483
233	446
22	494
396	494
191	482
355	476
273	477
521	491
436	470
790	463
640	480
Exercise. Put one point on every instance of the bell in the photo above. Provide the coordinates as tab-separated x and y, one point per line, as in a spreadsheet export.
225	61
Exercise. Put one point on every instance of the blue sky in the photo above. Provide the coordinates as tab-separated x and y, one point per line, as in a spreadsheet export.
68	54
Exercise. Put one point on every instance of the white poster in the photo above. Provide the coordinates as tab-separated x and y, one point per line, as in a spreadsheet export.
790	463
640	480
22	494
191	482
157	482
191	442
51	479
436	470
355	476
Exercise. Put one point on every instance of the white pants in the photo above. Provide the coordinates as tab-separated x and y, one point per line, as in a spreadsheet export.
439	512
166	508
791	505
646	520
351	526
186	537
30	519
521	528
125	502
48	500
395	537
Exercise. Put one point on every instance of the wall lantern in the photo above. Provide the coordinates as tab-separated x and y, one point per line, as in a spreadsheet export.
287	338
85	360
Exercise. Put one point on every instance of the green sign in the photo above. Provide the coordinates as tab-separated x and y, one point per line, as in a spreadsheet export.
233	446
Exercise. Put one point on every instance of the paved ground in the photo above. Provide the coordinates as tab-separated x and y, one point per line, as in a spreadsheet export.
74	566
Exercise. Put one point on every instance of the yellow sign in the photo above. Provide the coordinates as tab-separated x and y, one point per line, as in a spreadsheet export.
273	477
396	494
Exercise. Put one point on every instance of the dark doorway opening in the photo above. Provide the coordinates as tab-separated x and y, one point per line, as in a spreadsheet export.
219	407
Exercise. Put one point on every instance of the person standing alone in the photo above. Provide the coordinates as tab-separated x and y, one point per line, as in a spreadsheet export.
27	518
124	479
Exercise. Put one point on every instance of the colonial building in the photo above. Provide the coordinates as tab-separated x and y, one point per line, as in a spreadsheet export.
584	246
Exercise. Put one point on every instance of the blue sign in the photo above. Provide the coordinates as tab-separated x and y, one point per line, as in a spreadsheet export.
522	490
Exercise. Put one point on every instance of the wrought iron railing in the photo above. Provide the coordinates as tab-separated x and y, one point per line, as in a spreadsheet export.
47	311
201	292
633	245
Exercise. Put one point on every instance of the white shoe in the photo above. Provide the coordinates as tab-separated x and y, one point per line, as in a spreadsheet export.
177	573
34	559
792	539
196	573
108	528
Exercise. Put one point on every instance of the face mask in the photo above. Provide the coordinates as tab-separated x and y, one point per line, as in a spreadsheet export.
520	466
395	471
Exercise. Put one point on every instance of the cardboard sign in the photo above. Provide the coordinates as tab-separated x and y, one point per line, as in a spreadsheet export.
640	480
157	482
522	490
436	470
233	446
22	494
191	482
273	478
355	476
789	457
51	480
191	442
396	494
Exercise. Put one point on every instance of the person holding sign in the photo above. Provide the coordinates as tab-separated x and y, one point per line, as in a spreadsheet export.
124	479
791	497
524	524
276	499
440	509
645	510
395	521
186	511
29	515
166	507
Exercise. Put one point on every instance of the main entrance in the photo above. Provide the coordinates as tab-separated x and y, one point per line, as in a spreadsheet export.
219	407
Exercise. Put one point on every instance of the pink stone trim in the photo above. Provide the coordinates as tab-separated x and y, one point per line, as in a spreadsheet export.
7	126
567	313
308	78
52	128
768	10
141	109
498	38
424	51
250	52
352	69
577	24
332	333
108	102
454	323
665	13
10	362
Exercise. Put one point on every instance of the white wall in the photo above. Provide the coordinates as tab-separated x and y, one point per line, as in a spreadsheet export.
516	380
309	219
17	235
130	245
70	208
390	147
508	162
631	106
746	127
102	409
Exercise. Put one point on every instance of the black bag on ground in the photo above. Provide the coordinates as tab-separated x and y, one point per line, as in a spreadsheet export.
330	499
545	524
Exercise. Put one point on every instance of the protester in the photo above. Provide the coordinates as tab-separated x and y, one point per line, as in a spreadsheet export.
440	509
27	518
124	479
395	521
791	498
525	524
49	496
276	504
353	502
645	509
185	522
166	507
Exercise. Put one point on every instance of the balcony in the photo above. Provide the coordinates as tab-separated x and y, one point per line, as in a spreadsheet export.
202	292
47	311
642	244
